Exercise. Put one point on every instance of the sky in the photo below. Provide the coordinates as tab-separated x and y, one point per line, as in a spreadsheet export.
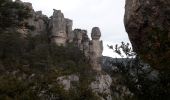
105	14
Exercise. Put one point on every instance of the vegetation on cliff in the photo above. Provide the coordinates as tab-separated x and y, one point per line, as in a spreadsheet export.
12	14
30	66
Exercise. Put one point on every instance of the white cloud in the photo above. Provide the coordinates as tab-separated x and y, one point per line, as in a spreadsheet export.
106	14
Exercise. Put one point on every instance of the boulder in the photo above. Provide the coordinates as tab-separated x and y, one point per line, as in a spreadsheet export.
147	23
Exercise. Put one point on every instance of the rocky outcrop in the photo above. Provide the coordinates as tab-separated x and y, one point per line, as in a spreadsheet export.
59	30
78	36
85	44
36	24
81	40
69	24
39	23
91	48
101	85
57	27
147	23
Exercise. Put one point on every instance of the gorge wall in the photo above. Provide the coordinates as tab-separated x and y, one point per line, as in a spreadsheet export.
147	23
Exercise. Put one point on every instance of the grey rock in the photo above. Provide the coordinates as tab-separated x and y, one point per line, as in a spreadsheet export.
147	23
57	26
67	80
91	48
39	23
101	85
96	49
78	36
96	34
36	24
59	31
69	24
85	43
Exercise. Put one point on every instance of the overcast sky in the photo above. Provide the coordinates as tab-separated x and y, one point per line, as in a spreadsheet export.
106	14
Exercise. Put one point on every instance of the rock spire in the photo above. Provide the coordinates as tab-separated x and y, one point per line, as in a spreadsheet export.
96	49
57	27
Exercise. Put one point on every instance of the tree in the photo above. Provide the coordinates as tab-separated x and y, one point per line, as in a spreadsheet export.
136	74
12	14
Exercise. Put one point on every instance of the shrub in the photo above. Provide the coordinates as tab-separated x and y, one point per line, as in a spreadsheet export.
136	73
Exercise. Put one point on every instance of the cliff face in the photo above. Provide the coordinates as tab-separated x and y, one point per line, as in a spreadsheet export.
147	23
46	50
59	31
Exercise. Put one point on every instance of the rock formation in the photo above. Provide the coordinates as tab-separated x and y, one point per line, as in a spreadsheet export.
78	36
101	85
85	44
57	27
39	22
69	24
147	23
36	24
96	49
92	48
59	30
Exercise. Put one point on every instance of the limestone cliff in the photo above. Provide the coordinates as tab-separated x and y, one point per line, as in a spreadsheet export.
59	31
63	59
147	23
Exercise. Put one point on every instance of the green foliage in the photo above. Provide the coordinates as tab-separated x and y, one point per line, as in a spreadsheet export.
12	14
123	50
82	93
30	66
11	48
12	88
